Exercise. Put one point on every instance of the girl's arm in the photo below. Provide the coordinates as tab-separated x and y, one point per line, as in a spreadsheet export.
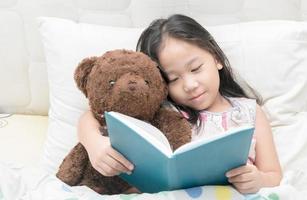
267	170
266	156
102	156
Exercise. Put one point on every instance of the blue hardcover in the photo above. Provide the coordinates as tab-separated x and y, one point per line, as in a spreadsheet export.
204	162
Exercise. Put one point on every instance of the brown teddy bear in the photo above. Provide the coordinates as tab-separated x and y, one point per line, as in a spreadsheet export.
131	83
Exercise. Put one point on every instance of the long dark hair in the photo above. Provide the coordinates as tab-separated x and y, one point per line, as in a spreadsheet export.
188	30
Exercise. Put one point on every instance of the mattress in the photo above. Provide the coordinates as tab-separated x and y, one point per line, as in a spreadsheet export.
26	131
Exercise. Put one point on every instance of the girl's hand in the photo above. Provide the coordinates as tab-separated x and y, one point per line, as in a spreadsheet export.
246	179
107	160
102	156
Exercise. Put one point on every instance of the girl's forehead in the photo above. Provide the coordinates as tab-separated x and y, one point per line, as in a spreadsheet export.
174	47
177	53
183	65
170	42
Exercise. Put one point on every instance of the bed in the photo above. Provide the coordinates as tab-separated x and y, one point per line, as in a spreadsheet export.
42	41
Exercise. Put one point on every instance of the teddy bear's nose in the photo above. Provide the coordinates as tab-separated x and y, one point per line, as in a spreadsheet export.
132	85
131	82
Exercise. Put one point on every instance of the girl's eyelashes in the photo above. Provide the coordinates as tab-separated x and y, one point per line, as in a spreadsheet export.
197	68
171	80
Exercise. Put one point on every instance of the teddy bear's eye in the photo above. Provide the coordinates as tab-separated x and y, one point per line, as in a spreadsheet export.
147	82
111	82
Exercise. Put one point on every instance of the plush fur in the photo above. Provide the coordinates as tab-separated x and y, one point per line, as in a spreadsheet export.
128	82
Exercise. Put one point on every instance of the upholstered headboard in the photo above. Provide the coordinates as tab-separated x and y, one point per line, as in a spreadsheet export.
23	76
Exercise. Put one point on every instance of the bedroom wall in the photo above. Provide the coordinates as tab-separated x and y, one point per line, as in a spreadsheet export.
23	75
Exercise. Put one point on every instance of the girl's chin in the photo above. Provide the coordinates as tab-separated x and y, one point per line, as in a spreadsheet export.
199	107
199	103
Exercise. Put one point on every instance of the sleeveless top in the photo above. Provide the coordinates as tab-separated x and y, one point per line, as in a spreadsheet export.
242	113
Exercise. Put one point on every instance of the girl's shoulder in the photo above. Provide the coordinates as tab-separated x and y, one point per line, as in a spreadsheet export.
238	104
243	102
245	106
241	113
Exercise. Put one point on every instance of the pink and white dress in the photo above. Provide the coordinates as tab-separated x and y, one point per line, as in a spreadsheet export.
242	113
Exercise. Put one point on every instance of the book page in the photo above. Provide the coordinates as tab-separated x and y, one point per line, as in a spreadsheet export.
147	131
200	142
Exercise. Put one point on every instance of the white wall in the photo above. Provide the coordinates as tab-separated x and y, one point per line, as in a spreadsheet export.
23	76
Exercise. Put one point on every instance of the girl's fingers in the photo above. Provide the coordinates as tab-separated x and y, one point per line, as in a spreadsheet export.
119	158
238	171
240	178
115	164
244	185
106	170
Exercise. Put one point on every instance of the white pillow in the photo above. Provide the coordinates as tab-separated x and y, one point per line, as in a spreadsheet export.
271	56
66	43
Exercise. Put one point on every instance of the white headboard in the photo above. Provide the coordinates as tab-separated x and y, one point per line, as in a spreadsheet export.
23	76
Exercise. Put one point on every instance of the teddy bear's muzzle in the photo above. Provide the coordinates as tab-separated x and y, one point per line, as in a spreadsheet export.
131	83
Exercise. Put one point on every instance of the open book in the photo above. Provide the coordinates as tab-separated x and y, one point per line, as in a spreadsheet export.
158	168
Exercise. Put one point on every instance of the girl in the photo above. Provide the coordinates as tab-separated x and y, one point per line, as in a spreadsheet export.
201	86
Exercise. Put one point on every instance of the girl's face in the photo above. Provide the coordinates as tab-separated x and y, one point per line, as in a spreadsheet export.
193	74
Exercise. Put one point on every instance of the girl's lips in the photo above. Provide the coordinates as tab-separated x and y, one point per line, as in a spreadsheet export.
196	97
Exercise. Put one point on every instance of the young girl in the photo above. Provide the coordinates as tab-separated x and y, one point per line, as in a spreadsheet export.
201	86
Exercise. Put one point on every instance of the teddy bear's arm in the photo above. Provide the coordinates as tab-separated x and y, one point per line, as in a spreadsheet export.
72	167
175	127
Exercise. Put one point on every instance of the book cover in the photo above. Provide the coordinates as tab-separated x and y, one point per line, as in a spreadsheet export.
157	168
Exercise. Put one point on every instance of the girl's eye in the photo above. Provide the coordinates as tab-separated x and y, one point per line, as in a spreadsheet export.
197	68
111	82
171	80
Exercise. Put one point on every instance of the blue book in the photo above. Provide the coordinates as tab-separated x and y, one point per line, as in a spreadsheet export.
158	168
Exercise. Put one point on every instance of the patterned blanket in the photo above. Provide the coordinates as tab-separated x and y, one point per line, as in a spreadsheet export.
21	183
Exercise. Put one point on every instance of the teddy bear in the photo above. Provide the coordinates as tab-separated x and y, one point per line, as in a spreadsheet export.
128	82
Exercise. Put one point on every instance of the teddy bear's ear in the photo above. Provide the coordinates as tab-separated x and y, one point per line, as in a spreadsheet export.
82	71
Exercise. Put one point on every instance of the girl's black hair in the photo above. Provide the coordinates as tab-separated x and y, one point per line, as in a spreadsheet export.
188	30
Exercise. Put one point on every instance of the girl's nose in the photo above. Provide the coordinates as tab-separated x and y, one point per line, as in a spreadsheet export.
189	84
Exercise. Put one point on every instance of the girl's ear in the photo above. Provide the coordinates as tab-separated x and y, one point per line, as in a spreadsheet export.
219	66
82	71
